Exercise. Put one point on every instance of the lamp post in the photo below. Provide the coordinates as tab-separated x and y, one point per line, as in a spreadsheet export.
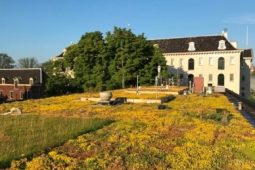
122	64
137	84
157	78
159	69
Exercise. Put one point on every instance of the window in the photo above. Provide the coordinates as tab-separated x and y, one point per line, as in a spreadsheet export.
211	61
31	81
11	95
172	61
28	95
181	62
191	64
21	95
191	46
3	80
220	80
181	76
243	78
221	63
222	45
201	61
232	60
231	78
210	77
242	63
16	82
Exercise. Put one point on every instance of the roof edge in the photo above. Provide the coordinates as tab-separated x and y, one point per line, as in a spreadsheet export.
20	68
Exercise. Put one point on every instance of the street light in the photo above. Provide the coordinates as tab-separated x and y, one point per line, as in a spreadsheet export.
122	64
159	69
157	78
137	84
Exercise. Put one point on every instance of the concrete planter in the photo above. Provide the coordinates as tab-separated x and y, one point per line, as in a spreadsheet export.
105	96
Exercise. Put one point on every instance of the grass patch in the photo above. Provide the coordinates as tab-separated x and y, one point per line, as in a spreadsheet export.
29	134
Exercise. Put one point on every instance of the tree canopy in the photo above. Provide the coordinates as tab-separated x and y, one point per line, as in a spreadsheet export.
6	61
113	61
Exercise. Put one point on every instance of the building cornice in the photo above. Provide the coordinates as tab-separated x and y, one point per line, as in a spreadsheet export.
203	52
20	85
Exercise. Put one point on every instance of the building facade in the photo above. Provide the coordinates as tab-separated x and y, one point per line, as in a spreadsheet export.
20	84
214	58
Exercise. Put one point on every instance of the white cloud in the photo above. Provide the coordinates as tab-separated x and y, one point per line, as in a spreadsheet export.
247	19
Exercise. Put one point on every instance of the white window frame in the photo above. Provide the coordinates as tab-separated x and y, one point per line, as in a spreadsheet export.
21	94
11	93
232	77
222	45
201	61
172	62
181	62
191	46
210	75
211	61
16	86
232	60
3	80
31	81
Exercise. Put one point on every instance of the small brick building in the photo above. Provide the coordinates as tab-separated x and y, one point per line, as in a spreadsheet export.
20	84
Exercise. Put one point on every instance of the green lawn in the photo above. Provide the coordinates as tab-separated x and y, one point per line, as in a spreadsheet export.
26	135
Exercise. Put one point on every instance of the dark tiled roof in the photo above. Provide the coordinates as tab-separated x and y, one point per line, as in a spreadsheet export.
22	74
247	53
203	43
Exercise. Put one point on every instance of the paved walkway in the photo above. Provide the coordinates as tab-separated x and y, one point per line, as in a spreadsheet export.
247	112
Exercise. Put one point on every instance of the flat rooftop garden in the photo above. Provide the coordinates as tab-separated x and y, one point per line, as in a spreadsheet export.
193	132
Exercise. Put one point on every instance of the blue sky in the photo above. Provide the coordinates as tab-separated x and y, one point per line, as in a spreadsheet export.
42	29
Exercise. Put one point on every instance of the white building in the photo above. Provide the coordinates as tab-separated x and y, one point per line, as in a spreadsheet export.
215	58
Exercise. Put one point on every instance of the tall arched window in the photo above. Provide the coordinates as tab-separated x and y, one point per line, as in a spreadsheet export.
221	63
220	80
191	64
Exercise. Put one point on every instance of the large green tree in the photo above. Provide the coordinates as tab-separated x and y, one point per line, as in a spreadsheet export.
132	55
113	61
6	61
90	65
150	71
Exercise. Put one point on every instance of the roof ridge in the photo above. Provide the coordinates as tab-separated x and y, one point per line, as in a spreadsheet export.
217	35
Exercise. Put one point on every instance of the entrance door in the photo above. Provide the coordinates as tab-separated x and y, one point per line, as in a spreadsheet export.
220	80
191	78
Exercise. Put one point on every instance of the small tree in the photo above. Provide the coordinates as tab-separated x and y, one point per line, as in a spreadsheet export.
6	61
59	84
28	62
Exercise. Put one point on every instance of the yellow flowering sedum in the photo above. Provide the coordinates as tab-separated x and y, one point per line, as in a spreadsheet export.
184	136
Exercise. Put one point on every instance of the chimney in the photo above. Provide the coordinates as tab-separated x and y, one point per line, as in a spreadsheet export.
225	33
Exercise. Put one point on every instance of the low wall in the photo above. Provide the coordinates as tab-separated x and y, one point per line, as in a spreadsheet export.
242	99
128	100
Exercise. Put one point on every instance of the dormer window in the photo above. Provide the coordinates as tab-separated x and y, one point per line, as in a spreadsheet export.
191	46
3	80
16	82
31	81
222	45
155	45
